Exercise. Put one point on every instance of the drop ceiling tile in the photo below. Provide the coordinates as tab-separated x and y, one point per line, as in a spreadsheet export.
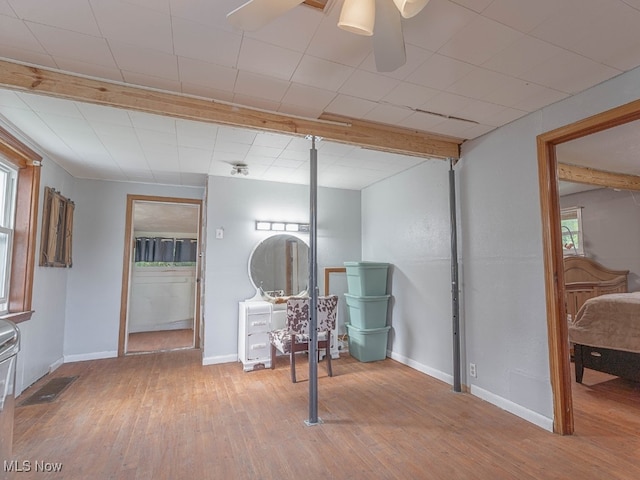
27	56
446	103
295	155
522	15
204	92
196	134
268	59
156	123
540	99
339	46
57	14
478	83
452	127
421	121
205	12
475	5
388	114
167	178
236	135
11	99
51	105
151	82
264	151
135	25
14	33
521	56
288	162
197	72
306	96
260	86
409	95
505	116
293	30
76	46
273	140
195	160
477	131
480	40
367	85
321	73
415	57
439	72
6	9
350	106
625	58
478	111
144	61
569	73
102	114
193	179
436	24
108	73
208	44
512	91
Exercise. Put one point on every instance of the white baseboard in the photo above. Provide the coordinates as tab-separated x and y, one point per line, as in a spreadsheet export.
511	407
518	410
219	359
432	372
82	357
54	366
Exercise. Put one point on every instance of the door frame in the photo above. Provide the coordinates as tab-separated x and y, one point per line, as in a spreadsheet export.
558	335
126	264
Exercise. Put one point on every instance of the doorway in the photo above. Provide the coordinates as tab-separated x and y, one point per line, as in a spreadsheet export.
160	304
559	360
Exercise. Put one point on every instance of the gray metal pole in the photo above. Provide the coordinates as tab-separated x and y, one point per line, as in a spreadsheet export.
455	302
313	286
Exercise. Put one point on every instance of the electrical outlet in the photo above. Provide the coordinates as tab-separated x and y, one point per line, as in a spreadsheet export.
472	369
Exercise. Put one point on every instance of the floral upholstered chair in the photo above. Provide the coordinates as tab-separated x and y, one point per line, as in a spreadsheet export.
294	337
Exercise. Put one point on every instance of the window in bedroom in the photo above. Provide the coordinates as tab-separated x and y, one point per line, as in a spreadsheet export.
8	177
571	225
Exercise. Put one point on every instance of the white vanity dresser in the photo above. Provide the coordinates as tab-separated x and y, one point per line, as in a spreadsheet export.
278	265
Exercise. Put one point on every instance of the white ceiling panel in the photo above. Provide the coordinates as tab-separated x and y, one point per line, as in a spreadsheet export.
474	64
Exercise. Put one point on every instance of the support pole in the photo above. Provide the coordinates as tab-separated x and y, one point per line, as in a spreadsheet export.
455	302
313	286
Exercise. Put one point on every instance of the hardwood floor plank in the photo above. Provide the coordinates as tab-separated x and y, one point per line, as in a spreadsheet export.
165	416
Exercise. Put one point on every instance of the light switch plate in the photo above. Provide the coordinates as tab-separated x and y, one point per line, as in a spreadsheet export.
219	232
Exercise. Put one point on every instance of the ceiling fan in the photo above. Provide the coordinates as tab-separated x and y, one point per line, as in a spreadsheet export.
357	16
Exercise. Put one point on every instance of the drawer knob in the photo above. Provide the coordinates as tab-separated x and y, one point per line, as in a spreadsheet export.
595	354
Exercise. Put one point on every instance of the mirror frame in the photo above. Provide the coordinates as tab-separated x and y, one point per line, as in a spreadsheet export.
260	295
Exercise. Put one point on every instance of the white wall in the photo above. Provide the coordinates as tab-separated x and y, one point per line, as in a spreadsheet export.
42	337
95	281
611	227
505	317
234	205
405	222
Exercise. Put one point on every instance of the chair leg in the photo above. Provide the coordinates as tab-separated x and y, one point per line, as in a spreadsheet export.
328	355
273	356
293	364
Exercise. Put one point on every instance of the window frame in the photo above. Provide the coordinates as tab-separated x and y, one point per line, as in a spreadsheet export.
23	254
575	213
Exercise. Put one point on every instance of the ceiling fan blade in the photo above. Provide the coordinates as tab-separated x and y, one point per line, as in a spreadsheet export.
255	14
388	40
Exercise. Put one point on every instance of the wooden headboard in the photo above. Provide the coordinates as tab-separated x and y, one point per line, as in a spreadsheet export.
585	278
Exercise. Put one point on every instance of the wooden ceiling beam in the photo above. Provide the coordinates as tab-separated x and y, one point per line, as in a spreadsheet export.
591	176
371	135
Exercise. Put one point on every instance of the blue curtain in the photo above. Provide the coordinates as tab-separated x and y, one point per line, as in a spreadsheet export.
162	249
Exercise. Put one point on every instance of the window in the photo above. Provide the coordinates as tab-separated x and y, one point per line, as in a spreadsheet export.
571	225
8	177
25	163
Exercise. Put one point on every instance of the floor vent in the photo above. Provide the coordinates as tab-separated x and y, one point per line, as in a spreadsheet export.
49	392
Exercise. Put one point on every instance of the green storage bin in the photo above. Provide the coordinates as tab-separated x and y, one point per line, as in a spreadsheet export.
367	312
368	344
367	278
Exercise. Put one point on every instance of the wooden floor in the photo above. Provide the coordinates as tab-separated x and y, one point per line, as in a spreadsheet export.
158	341
165	416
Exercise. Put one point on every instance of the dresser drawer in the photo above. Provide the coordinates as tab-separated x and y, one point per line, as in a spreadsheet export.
258	323
258	347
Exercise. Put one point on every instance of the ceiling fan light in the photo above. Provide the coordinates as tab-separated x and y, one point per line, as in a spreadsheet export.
410	8
358	16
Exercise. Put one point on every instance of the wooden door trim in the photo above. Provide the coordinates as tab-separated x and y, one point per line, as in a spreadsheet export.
126	264
559	363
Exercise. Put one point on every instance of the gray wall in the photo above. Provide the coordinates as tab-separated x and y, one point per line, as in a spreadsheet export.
405	222
94	283
611	228
234	205
505	317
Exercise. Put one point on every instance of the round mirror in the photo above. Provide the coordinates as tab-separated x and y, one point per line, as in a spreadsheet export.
279	266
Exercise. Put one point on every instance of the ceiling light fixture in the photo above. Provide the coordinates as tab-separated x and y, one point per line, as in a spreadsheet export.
359	16
241	168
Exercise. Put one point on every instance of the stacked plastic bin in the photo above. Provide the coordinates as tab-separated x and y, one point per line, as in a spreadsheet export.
367	301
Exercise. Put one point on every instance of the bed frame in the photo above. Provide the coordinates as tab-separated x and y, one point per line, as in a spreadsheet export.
585	278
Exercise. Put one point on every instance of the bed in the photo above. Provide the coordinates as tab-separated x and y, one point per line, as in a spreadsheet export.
604	319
